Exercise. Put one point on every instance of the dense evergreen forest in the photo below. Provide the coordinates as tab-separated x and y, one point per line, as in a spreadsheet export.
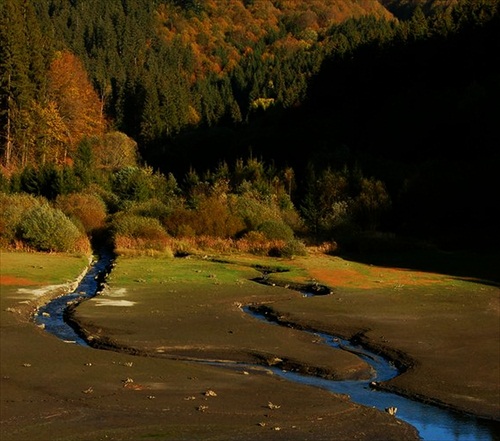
250	124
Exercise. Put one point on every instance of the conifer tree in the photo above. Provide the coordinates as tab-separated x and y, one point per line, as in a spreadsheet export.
16	90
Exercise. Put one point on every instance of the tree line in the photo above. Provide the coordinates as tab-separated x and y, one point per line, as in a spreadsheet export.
336	123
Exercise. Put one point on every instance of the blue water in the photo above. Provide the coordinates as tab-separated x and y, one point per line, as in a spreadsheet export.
52	315
433	423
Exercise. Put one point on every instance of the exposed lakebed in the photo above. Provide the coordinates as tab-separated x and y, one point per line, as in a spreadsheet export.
433	423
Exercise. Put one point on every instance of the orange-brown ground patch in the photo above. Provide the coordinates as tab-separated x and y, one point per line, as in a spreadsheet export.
16	281
373	277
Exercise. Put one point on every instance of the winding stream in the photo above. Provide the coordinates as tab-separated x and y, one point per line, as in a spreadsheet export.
433	423
53	315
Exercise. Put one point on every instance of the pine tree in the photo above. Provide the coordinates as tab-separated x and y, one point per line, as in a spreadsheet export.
16	91
23	51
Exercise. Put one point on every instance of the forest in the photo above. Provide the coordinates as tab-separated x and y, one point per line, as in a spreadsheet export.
254	125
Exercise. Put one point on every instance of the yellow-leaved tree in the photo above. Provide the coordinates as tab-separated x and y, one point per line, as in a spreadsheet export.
80	111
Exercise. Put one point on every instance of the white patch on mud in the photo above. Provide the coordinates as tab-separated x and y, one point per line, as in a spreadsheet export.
38	292
60	289
110	302
120	292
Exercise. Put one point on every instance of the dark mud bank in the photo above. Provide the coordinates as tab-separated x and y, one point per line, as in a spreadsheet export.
399	359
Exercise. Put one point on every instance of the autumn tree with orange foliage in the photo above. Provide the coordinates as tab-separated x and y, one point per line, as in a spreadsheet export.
72	96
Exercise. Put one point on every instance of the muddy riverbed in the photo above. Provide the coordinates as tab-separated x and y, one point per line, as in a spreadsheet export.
167	396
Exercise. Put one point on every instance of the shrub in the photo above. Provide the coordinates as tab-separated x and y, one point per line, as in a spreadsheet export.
138	227
88	209
183	247
185	230
214	217
127	246
275	230
131	183
111	200
255	242
213	244
179	222
47	229
293	248
13	208
254	212
139	233
151	208
292	218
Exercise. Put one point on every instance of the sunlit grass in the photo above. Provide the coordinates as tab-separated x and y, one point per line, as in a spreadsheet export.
42	268
191	270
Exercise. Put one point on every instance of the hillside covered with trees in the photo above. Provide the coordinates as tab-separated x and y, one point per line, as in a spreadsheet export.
251	124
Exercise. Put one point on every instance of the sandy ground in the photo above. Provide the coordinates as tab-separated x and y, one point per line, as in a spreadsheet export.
51	390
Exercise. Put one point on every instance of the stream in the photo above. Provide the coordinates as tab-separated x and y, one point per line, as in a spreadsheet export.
52	316
433	423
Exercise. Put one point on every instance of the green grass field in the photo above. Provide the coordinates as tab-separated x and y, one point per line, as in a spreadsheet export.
39	268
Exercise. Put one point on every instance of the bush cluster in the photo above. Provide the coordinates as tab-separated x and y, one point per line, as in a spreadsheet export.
253	242
213	216
85	209
44	228
275	230
14	208
31	222
133	232
142	211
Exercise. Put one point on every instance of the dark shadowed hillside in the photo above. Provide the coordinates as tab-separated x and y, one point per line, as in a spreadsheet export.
359	116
